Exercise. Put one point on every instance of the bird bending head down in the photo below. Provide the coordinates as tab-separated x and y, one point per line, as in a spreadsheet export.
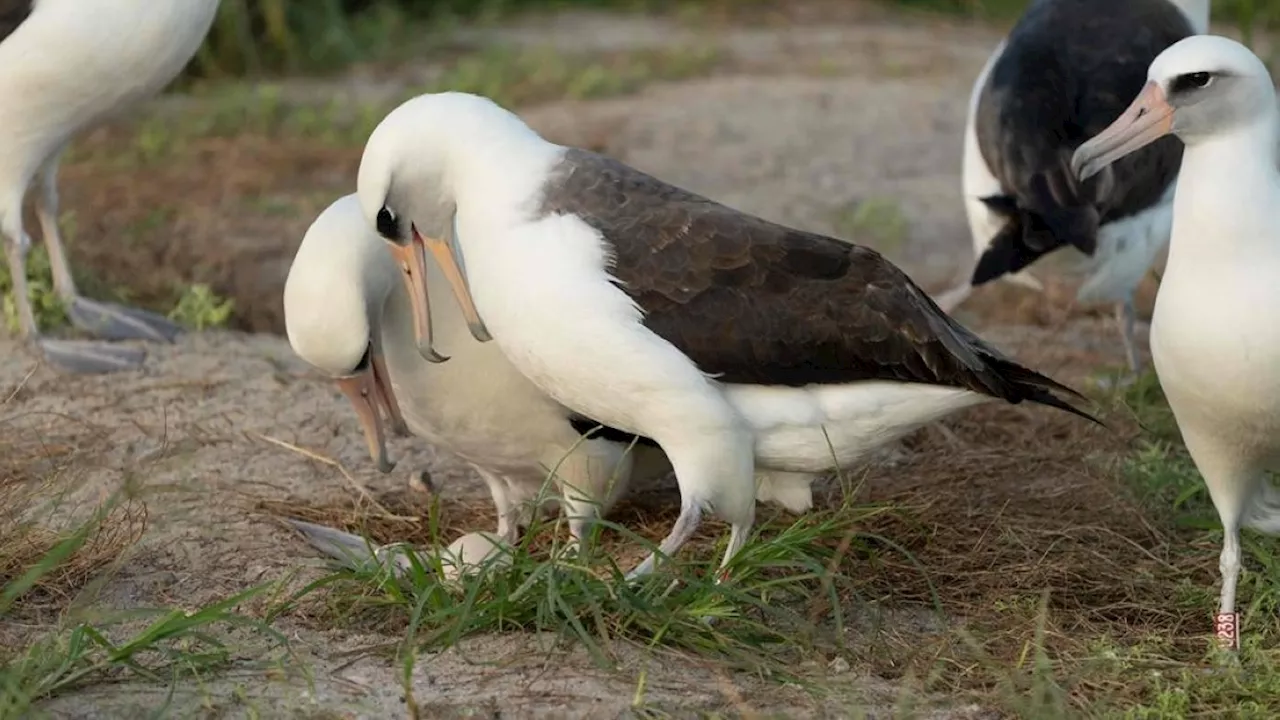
411	199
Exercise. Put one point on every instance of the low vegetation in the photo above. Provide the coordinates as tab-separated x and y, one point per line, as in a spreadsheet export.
1094	602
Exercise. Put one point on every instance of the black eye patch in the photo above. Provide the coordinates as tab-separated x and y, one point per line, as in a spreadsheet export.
388	224
1190	81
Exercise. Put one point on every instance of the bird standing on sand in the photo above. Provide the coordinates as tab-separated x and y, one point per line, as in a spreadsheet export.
730	341
1215	341
66	65
1067	70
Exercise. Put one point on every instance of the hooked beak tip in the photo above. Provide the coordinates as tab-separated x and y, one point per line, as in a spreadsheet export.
480	332
1081	167
429	354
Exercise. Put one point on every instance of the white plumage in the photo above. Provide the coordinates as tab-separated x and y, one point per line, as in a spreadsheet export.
68	65
343	291
1214	339
543	287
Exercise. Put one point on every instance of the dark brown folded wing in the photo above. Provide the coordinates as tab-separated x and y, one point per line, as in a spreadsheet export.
755	302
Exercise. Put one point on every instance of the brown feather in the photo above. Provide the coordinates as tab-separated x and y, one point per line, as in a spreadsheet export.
754	302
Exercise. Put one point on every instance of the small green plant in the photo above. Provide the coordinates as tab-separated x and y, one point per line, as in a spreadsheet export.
875	222
45	303
201	308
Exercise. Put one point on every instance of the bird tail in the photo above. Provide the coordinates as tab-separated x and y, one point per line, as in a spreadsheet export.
1055	210
1031	385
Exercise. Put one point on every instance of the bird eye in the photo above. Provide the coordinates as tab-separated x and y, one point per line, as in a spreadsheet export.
1192	81
388	225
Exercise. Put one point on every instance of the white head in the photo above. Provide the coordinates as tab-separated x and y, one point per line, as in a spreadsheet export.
411	166
1201	87
333	300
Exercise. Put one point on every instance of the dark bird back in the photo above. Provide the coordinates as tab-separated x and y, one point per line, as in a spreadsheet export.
1068	70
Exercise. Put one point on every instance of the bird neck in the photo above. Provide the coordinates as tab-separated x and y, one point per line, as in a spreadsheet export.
1227	191
497	178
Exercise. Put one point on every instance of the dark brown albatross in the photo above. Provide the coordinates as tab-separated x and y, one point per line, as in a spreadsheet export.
730	341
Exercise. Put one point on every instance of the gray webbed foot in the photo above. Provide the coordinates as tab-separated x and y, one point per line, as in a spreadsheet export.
90	358
116	322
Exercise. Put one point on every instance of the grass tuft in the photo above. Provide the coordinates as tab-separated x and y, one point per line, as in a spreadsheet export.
784	596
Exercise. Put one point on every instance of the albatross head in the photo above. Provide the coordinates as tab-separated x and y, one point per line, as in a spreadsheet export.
1199	87
405	187
333	300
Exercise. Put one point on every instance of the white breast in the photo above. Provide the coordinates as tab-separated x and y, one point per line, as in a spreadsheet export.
476	404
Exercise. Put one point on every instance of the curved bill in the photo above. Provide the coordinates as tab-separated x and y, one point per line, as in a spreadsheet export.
386	394
442	251
362	389
1148	118
412	258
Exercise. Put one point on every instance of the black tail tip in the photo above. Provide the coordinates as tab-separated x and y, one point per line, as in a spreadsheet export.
1044	397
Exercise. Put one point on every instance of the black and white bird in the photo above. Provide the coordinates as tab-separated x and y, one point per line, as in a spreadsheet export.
1068	69
66	65
730	341
1215	342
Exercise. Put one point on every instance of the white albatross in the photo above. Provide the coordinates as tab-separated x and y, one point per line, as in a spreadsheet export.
730	341
1215	342
1065	71
347	313
66	65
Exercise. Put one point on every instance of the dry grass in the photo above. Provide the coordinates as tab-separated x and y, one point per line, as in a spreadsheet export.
1013	555
39	473
1015	534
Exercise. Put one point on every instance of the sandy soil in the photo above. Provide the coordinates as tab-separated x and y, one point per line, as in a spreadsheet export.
809	119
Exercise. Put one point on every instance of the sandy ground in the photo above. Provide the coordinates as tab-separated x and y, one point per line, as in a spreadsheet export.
808	120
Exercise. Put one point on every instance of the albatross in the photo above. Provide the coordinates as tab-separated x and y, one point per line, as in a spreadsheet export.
1214	340
347	313
1067	70
728	340
66	65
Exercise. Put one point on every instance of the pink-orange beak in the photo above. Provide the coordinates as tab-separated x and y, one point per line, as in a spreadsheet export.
386	394
369	391
1148	118
412	259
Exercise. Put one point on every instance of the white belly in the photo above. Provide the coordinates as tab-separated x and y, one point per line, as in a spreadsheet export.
476	405
821	428
1216	350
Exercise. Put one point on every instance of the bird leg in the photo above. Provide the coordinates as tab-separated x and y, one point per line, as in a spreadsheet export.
508	522
1227	623
1126	319
738	535
77	357
685	526
104	320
